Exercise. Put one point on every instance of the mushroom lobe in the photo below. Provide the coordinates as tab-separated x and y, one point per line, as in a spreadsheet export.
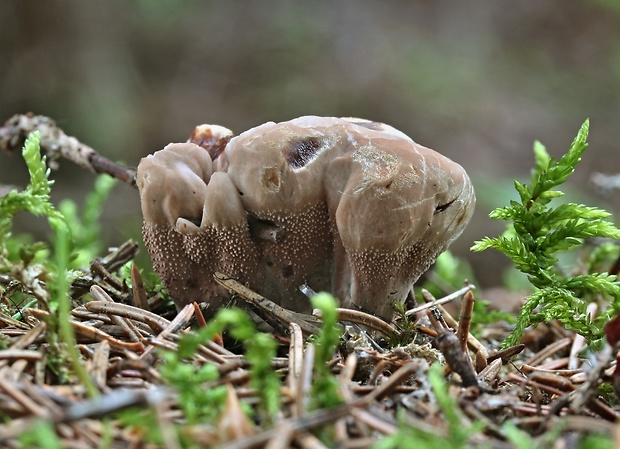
341	204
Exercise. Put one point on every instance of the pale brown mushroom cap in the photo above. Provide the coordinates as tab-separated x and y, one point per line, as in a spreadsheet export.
173	189
173	182
352	206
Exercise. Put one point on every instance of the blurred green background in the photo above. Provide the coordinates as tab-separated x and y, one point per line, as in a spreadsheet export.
478	81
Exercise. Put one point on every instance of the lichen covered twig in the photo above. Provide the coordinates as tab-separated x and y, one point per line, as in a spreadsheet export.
56	144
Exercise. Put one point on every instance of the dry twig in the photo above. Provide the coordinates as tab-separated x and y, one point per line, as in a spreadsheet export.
57	144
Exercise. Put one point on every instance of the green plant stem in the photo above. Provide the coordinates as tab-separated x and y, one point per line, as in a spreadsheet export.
18	315
65	329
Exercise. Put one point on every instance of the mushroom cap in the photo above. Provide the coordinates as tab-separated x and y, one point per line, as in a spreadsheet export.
172	183
283	164
212	138
358	209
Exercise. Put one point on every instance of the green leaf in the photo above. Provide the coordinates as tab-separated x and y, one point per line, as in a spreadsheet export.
572	210
596	283
485	243
41	434
524	192
202	404
550	194
541	159
558	173
511	212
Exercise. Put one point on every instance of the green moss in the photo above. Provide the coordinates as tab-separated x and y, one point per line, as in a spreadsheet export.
540	232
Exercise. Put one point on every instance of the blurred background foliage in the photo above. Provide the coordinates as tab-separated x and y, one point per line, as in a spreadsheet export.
478	81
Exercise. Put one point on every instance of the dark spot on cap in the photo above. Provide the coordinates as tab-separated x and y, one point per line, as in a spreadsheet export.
300	152
214	145
443	207
288	271
271	179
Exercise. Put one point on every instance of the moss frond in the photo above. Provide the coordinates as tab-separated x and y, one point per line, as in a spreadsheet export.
539	232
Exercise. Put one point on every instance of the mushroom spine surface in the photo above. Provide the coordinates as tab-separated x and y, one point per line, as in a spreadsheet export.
344	205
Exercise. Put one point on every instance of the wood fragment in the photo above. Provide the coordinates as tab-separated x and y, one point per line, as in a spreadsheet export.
491	371
437	302
156	322
178	323
14	392
57	144
582	395
481	361
295	358
100	295
550	350
282	437
119	256
200	318
308	324
16	370
305	381
166	428
233	422
374	422
137	289
533	383
23	354
467	308
93	333
557	364
472	341
28	339
309	421
111	402
306	440
99	367
506	354
98	269
365	319
360	443
527	369
389	385
49	403
367	389
552	380
457	359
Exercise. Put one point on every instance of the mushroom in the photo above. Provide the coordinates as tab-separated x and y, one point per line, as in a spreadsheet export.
341	204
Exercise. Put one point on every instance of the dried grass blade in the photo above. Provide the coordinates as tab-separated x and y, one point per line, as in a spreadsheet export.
100	363
100	295
127	311
309	324
295	356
